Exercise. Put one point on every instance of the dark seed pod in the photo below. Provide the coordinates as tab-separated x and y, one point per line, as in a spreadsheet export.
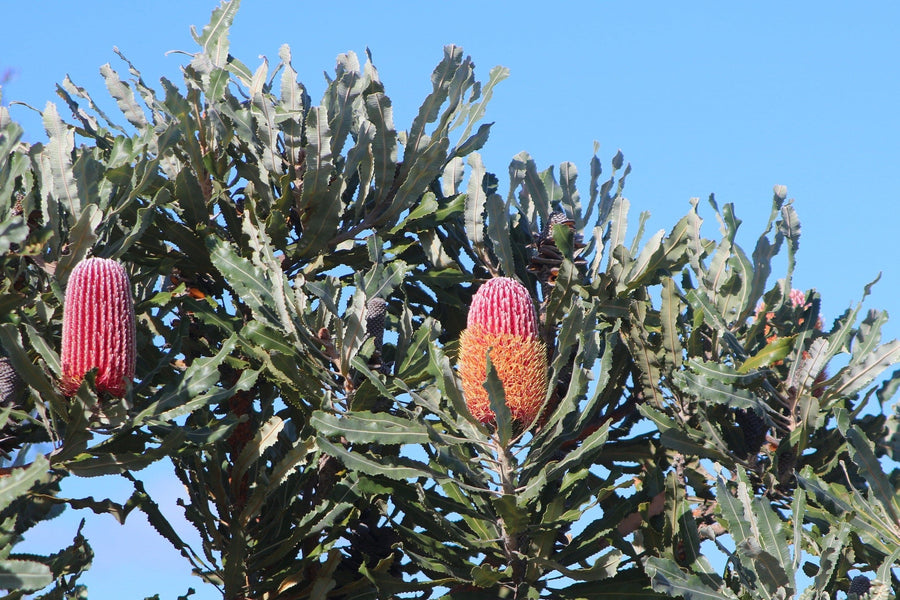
376	309
556	218
860	586
371	543
12	388
376	312
12	394
753	427
786	462
547	257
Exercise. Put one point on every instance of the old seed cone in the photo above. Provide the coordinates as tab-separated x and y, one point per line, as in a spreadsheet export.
12	388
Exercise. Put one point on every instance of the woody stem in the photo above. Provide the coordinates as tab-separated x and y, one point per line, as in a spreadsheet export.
511	543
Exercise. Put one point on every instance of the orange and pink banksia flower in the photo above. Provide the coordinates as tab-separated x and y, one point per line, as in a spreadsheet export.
502	318
98	327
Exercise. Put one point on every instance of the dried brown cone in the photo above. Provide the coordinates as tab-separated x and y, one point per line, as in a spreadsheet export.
12	388
12	393
547	257
860	586
375	317
376	310
371	543
753	427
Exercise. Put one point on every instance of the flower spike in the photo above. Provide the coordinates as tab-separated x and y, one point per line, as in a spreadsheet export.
502	319
98	327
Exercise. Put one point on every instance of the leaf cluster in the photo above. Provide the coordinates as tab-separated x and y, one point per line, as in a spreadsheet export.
696	408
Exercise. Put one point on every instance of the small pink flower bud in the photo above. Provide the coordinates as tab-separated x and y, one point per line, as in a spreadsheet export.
503	305
797	297
98	327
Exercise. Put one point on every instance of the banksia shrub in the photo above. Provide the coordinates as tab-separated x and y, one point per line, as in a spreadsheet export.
502	319
98	327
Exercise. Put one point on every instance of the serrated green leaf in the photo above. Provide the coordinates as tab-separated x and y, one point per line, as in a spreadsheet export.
28	371
58	153
499	234
399	468
476	111
124	97
265	437
267	338
645	265
250	282
670	312
474	142
320	198
770	572
869	466
666	577
537	193
853	378
13	230
710	390
617	227
80	240
476	200
831	555
384	142
773	540
732	512
646	357
497	398
214	37
294	459
368	427
196	387
97	463
20	480
24	575
441	79
584	454
770	353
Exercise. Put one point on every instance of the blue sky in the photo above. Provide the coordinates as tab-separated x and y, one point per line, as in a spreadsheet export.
724	98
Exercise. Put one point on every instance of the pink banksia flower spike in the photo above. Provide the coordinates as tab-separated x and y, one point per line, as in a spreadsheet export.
98	327
502	318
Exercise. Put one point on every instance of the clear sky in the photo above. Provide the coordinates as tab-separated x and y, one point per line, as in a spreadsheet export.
706	97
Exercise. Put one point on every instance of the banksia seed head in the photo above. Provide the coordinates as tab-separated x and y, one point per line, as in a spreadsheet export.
859	585
376	308
502	318
753	427
547	258
12	388
98	327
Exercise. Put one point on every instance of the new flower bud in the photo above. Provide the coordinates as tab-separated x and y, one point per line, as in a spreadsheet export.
502	318
98	327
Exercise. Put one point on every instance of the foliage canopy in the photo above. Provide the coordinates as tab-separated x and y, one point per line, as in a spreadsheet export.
696	408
